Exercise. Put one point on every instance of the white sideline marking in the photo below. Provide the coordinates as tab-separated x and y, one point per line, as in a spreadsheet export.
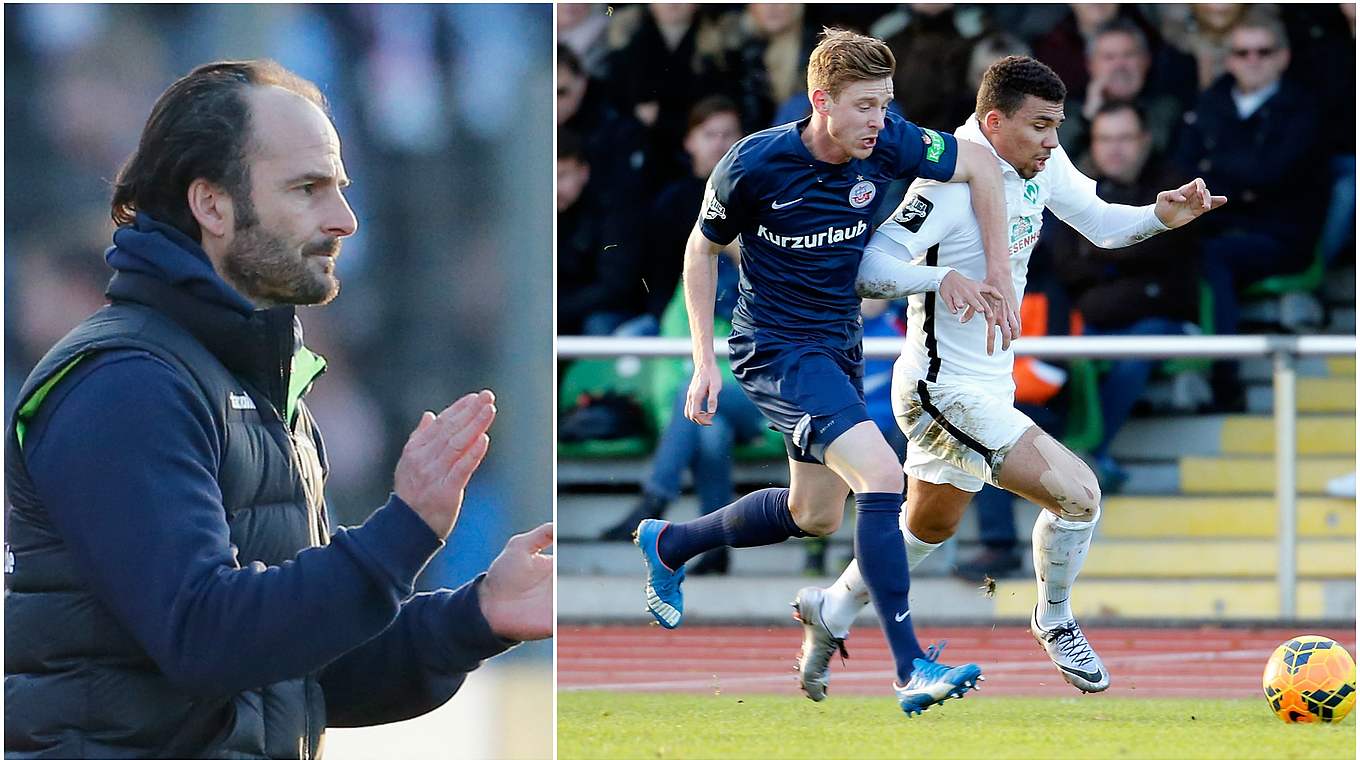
999	667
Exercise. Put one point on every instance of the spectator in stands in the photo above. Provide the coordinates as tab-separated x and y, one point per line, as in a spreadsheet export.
1254	138
714	125
1206	37
988	50
766	60
582	28
1118	59
599	284
932	59
615	144
1064	47
656	71
1147	289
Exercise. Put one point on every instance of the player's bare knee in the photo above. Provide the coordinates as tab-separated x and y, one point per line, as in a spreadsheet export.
817	520
929	526
1069	482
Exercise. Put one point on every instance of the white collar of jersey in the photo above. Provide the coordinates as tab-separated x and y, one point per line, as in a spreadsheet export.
971	130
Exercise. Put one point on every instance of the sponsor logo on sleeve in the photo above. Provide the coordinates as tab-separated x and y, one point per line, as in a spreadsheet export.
712	208
913	212
934	145
862	193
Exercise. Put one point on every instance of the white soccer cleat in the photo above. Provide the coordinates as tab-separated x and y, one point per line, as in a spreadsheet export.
1069	650
814	661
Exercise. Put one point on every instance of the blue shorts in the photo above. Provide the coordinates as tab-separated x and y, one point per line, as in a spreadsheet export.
810	393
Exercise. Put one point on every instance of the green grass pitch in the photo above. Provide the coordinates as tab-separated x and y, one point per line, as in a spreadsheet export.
603	725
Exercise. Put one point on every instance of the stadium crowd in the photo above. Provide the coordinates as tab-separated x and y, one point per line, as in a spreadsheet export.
421	123
1258	100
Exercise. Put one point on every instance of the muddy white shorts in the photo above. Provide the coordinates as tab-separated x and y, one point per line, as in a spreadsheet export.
957	434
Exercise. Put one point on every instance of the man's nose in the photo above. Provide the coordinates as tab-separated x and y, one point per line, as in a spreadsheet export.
340	220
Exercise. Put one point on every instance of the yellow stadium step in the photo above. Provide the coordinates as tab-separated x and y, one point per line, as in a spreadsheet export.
1326	394
1171	600
1220	517
1217	558
1341	365
1256	475
1318	434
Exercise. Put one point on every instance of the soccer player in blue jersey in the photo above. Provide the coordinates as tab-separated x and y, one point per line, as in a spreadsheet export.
801	198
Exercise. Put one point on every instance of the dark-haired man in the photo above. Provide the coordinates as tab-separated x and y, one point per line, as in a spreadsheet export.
173	586
801	198
955	402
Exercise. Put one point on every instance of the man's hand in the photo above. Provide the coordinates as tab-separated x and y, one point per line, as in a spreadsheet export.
440	457
516	597
1179	207
1006	312
973	297
701	403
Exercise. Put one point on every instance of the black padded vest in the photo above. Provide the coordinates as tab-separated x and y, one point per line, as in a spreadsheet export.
76	683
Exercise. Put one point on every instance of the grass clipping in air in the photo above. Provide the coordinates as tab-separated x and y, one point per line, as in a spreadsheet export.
601	726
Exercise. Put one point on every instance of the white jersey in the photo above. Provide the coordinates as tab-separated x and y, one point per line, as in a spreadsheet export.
935	226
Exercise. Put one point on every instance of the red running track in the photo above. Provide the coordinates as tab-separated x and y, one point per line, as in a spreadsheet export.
1143	662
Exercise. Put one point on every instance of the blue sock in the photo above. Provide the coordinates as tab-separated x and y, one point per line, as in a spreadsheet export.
883	563
759	518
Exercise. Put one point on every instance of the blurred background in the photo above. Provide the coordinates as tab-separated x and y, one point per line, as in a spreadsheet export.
1257	99
444	121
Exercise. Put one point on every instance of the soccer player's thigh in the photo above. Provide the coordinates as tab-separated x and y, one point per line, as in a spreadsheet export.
816	497
934	509
865	460
1044	471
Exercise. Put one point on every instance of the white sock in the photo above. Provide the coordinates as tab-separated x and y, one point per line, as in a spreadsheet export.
842	602
917	550
1060	548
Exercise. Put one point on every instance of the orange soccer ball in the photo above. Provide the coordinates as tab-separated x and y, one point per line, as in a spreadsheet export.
1310	679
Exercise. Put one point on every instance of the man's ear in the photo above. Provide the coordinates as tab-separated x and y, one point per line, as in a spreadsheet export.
991	121
821	101
212	208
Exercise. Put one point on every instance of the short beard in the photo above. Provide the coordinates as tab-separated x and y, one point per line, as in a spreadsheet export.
269	271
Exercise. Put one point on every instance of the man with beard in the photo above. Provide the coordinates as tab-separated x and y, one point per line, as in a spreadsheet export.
173	586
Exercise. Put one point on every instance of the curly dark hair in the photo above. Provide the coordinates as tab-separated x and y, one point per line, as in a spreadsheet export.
1010	79
199	128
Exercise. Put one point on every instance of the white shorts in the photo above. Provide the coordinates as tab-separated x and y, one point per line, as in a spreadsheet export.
957	434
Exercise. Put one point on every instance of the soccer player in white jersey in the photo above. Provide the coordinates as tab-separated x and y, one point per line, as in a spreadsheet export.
954	400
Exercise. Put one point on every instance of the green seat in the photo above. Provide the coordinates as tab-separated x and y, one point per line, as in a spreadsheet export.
1306	281
1085	422
598	376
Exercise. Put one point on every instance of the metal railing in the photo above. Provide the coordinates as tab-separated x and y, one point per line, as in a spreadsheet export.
1283	350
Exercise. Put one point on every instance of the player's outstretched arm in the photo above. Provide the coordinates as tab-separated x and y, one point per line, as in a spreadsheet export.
1183	205
701	286
978	167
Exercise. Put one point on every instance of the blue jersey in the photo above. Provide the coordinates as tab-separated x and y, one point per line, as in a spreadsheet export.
804	224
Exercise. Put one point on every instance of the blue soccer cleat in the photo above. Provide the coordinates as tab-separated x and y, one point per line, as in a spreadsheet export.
933	682
664	599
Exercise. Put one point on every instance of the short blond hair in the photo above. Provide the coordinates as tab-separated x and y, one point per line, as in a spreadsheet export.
843	57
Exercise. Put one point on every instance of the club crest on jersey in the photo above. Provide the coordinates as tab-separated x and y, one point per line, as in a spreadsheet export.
1031	191
913	212
862	193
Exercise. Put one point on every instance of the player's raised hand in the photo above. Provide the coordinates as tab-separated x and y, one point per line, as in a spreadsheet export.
1005	316
701	402
966	294
516	596
440	457
1179	207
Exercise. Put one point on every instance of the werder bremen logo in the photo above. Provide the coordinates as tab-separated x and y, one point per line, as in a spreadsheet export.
1031	191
